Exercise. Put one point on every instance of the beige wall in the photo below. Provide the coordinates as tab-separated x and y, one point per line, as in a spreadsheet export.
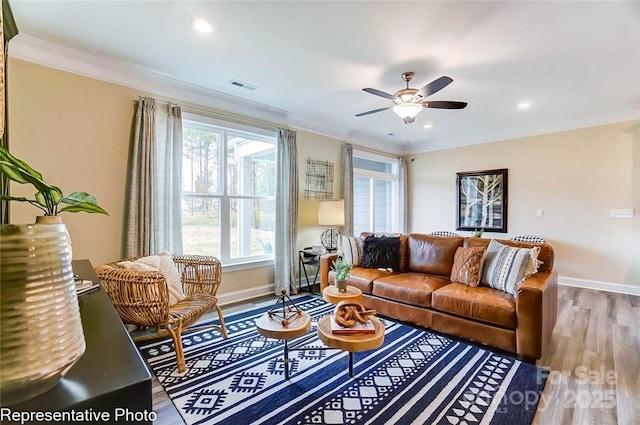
76	132
575	177
322	148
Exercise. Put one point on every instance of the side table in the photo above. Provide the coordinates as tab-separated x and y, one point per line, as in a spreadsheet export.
308	257
271	327
351	343
333	296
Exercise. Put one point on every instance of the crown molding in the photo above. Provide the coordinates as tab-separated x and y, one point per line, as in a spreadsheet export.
41	52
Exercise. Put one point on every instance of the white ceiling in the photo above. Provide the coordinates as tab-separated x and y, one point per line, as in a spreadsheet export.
578	63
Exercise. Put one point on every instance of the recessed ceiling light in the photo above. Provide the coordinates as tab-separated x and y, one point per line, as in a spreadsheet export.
428	126
201	25
523	105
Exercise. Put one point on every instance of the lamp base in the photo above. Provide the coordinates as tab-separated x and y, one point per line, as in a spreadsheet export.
329	239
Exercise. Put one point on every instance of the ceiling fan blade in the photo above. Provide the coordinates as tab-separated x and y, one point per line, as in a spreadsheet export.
379	93
434	86
444	104
372	111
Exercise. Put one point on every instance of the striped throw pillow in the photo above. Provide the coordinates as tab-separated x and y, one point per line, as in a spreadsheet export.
505	267
350	249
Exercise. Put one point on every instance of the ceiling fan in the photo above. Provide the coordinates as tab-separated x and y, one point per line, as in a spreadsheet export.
409	102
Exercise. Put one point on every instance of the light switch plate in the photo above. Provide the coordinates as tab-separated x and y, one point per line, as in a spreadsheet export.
622	213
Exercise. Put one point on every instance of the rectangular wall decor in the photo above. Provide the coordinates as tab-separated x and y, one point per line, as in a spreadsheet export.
319	179
482	200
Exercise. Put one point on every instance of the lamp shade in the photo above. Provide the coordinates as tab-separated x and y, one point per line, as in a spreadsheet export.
407	110
331	213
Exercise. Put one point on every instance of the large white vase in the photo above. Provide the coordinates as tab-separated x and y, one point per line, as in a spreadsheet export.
40	329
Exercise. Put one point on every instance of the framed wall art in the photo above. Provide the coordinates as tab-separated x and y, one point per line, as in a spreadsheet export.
482	200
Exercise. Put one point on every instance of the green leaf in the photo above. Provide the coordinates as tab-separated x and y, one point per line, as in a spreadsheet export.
82	202
76	198
5	155
21	176
84	207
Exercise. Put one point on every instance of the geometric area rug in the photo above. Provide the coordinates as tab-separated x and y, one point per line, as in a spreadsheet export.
415	377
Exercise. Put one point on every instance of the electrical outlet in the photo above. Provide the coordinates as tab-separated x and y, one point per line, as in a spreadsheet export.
539	213
622	213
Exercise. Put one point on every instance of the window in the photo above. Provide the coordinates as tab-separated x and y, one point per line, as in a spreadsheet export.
375	193
228	190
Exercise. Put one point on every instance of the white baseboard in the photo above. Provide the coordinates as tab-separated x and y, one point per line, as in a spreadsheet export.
619	288
245	294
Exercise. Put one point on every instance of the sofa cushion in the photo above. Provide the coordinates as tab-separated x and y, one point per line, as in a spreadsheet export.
546	254
467	266
404	247
480	303
350	249
409	288
505	267
362	278
432	254
381	252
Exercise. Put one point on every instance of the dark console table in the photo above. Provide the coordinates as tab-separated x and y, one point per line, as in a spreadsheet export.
110	377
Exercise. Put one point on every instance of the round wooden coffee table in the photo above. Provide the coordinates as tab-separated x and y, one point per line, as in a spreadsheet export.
333	296
271	327
351	343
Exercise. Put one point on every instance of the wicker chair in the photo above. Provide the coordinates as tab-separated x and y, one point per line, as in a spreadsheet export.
141	298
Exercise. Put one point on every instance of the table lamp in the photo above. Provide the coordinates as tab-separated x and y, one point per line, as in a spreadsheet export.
330	213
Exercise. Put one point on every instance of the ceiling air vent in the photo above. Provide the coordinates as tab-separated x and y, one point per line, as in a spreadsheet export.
238	83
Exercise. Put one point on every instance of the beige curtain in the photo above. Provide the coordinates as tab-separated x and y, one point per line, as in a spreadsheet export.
153	221
347	188
286	212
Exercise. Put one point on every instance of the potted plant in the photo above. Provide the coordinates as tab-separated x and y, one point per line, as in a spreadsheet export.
48	198
36	276
342	271
477	233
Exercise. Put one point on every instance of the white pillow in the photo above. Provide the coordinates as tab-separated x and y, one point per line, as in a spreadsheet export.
164	264
350	249
505	267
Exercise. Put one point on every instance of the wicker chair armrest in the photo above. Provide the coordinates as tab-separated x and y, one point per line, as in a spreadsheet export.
200	274
140	297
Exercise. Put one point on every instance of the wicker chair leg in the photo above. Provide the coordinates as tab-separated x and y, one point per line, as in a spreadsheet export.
223	328
176	336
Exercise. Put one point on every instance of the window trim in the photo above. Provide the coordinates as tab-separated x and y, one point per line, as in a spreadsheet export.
393	177
203	122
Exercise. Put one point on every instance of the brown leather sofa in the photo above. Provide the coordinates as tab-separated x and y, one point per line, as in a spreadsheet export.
422	293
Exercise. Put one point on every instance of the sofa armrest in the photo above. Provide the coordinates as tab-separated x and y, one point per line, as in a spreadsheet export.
536	310
326	260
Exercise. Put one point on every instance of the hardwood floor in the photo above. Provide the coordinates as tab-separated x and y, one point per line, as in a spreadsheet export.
594	359
593	363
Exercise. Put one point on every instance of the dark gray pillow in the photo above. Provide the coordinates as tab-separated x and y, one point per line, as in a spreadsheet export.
381	252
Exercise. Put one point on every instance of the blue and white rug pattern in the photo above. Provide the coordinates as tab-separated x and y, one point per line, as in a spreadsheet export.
416	377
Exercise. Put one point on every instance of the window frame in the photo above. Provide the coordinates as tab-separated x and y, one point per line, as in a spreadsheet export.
393	177
203	122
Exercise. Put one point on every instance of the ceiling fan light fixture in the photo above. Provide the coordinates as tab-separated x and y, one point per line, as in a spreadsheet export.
407	110
201	25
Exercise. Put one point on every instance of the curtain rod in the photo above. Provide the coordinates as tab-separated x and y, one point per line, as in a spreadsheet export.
265	125
375	151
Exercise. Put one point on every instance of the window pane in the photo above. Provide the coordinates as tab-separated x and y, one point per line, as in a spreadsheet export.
383	216
201	160
361	205
372	165
252	227
201	226
250	166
